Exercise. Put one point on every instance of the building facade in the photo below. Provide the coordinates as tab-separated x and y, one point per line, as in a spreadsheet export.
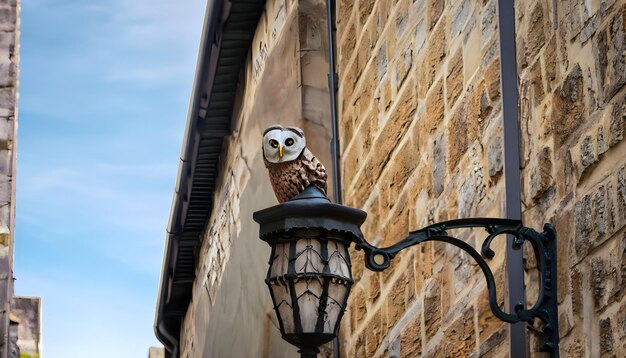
421	112
9	61
29	330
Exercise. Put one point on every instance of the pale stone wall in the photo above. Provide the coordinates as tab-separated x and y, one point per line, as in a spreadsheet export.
572	61
421	137
284	82
9	61
422	142
28	312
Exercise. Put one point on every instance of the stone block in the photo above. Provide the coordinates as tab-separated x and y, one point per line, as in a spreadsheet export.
457	137
439	165
8	18
583	221
411	339
621	192
359	309
403	66
434	11
551	62
459	338
535	38
343	13
348	44
617	123
536	81
488	22
569	108
606	339
396	301
436	52
615	69
459	18
365	9
381	61
541	178
373	334
394	129
494	156
454	78
435	107
432	307
492	79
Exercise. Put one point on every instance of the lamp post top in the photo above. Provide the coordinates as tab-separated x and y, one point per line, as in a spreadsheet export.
311	209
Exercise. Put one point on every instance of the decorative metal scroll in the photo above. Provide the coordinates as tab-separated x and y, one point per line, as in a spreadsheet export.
544	247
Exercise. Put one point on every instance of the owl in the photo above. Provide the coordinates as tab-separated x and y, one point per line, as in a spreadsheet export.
292	167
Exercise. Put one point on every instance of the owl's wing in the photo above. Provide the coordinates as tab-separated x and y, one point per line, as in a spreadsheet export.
316	172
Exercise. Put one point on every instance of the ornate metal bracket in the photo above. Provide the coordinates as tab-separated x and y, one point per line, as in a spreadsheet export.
544	246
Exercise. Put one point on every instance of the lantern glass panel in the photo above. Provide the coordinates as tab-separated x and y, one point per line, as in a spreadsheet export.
308	256
282	301
280	261
337	296
309	292
339	259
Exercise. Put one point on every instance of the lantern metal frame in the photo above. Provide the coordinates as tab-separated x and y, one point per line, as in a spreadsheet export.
311	210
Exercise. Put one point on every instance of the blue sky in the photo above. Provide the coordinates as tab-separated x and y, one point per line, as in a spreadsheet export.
104	91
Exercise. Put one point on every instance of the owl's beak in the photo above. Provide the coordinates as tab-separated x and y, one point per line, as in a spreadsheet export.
280	151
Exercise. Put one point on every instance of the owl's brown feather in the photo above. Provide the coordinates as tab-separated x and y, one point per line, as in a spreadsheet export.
291	178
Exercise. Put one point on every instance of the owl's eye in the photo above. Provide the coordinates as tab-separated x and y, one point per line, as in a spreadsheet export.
273	143
289	142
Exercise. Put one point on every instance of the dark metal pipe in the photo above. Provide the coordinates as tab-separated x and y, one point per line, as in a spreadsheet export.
332	86
512	174
335	151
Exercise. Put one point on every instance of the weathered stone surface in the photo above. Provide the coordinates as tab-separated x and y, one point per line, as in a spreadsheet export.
432	308
541	178
616	126
536	32
460	16
621	192
439	165
495	153
587	153
492	80
569	107
365	9
459	339
373	334
488	21
454	78
606	338
457	137
436	52
411	340
435	9
612	66
435	107
583	219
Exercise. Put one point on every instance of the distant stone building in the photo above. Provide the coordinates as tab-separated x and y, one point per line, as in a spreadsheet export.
29	330
9	62
156	352
420	107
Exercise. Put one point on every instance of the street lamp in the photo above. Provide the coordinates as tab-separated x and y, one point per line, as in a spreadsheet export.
310	276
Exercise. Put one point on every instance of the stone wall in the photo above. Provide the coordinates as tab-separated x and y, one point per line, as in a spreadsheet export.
421	131
28	312
9	61
572	65
284	82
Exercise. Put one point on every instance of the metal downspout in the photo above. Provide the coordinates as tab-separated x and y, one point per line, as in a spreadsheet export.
512	175
335	150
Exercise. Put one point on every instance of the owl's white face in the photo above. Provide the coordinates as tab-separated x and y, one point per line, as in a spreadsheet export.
283	144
